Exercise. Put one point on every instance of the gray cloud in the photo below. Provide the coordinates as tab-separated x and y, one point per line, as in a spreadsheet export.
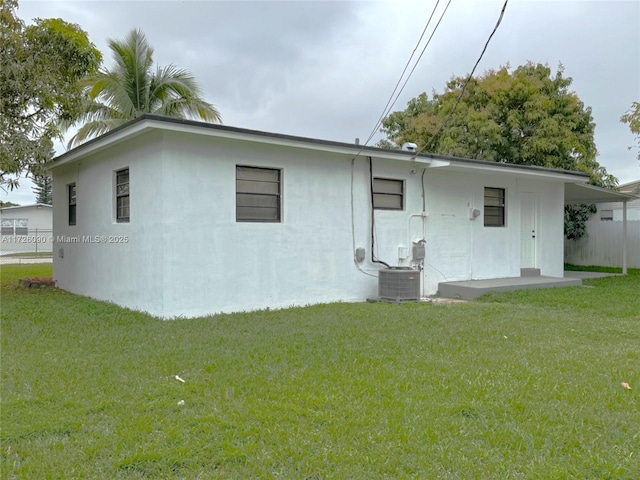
325	69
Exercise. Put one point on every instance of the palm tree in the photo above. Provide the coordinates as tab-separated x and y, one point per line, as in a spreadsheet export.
131	89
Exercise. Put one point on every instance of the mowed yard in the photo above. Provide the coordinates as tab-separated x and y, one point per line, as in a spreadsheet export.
524	385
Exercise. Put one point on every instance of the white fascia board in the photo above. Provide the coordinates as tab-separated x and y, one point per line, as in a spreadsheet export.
33	205
285	142
149	124
435	163
583	193
100	144
505	169
354	150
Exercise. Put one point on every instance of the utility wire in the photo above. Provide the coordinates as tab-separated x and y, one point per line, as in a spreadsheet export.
391	102
389	105
416	64
446	122
387	108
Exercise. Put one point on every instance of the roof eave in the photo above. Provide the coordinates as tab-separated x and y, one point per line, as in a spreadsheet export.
584	194
31	205
120	134
149	122
565	176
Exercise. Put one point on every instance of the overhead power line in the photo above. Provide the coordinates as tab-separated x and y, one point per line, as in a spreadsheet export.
418	60
409	61
391	102
446	122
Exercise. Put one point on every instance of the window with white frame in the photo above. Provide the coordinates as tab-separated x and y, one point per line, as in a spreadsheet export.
494	207
122	196
258	194
388	194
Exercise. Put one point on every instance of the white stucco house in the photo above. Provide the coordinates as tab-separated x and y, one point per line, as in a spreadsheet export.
26	228
180	218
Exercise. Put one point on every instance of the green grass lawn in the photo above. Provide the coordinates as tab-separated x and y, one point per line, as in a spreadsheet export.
524	385
591	268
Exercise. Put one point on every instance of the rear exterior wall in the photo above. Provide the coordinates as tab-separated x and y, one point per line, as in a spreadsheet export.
185	254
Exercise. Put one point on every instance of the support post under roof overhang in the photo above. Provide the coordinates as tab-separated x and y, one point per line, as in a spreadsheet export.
624	237
575	193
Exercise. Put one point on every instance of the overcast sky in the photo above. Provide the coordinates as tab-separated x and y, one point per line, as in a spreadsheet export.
325	69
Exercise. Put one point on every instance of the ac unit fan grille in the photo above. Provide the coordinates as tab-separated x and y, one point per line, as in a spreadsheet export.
399	284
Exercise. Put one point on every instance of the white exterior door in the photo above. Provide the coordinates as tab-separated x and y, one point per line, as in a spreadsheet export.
528	230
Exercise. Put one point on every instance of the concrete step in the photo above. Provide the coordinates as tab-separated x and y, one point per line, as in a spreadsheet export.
529	272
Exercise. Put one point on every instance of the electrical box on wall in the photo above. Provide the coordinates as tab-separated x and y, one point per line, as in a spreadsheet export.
360	255
418	251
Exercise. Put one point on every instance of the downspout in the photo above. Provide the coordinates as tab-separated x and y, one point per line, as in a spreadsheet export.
624	237
424	230
373	258
424	202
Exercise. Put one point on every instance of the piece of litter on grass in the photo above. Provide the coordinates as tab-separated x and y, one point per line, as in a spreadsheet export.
504	336
625	385
179	379
181	402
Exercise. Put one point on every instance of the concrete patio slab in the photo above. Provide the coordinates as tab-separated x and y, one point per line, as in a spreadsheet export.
472	289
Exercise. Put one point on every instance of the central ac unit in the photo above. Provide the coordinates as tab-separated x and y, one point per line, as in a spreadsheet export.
399	284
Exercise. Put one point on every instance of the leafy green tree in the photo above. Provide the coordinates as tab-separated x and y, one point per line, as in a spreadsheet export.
8	204
41	66
526	116
632	117
575	217
132	87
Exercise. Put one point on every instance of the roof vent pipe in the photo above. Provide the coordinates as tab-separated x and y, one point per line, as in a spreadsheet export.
409	147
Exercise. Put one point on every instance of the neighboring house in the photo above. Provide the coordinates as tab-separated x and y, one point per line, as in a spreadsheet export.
631	187
603	244
612	211
26	229
180	218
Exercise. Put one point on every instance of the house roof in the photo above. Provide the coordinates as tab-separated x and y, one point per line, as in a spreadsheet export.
17	207
582	193
146	123
631	187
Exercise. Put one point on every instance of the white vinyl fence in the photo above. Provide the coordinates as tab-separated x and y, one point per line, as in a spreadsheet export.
603	246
